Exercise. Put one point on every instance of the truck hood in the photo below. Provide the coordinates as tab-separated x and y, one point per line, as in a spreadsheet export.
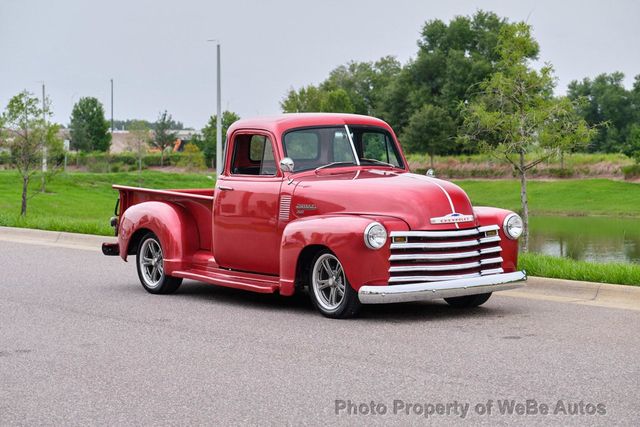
416	199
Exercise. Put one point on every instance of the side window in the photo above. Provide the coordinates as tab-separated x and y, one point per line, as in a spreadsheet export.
253	155
377	146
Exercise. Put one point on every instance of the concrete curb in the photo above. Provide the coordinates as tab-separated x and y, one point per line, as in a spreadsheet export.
54	238
540	288
586	293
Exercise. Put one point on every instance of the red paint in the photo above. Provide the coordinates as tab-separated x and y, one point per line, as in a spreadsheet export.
238	237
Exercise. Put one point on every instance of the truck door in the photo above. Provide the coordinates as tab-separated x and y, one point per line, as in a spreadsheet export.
245	233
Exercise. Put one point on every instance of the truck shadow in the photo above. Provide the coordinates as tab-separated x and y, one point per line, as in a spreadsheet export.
301	303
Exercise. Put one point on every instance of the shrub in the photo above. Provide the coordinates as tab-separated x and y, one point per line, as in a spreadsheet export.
631	171
192	158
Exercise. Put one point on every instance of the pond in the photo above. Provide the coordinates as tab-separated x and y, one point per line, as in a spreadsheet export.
597	239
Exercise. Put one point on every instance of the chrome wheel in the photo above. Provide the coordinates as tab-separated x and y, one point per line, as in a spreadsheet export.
328	282
151	263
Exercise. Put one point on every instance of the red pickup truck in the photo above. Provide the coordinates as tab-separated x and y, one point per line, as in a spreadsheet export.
324	202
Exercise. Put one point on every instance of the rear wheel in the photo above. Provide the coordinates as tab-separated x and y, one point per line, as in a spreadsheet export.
150	263
330	291
468	301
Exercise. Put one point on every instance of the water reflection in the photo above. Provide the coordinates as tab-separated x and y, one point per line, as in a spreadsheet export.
598	239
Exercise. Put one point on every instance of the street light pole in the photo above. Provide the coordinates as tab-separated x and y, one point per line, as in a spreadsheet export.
218	120
218	111
44	140
111	106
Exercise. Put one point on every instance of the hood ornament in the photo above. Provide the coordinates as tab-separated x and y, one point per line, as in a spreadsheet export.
452	218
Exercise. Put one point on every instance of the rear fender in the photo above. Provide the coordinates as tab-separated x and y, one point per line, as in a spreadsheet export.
491	216
344	236
174	226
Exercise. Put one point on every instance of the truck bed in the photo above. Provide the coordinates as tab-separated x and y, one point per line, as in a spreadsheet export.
197	201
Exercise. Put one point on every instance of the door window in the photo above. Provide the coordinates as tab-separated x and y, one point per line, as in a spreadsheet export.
253	155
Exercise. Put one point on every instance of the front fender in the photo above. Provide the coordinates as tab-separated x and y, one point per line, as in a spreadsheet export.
344	236
491	216
174	226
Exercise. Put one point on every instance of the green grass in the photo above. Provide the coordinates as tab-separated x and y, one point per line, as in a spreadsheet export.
561	197
569	269
570	160
80	202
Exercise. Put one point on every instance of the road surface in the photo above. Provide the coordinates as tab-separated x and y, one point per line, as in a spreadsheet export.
82	343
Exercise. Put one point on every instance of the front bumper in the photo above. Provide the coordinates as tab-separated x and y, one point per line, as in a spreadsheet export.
446	289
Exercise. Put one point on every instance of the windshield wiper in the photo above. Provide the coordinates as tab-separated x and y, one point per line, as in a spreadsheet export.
328	165
380	162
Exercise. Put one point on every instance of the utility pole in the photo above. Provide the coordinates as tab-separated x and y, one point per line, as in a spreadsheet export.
219	121
44	141
111	106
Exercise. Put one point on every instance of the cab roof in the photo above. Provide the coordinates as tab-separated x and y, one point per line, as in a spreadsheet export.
283	122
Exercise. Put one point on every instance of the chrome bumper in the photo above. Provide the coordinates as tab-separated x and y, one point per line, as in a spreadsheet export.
446	289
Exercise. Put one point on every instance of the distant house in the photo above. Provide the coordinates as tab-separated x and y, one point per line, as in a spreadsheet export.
120	140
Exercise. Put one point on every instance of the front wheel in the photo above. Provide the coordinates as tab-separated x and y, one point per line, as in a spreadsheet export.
468	301
150	264
330	291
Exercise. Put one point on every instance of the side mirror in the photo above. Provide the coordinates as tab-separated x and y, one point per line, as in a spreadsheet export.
286	164
431	172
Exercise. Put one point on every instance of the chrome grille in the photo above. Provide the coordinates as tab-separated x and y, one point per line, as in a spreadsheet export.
429	256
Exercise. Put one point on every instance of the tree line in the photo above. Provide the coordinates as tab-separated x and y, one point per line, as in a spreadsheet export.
424	99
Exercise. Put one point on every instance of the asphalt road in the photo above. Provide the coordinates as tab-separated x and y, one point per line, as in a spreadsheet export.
82	343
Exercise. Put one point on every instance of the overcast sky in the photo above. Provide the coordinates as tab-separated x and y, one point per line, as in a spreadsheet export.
157	54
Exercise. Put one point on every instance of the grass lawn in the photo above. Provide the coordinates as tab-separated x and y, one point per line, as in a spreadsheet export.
80	202
84	202
565	268
561	197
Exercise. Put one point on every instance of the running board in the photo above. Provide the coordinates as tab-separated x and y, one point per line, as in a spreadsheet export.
246	281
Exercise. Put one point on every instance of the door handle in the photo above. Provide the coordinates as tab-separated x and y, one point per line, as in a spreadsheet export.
225	188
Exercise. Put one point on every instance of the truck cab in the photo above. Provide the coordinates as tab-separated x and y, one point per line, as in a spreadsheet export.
323	203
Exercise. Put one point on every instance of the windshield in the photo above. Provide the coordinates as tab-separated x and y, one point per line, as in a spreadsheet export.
325	147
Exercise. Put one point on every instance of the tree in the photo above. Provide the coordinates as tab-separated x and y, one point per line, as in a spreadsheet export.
429	130
607	102
138	140
632	144
453	59
312	99
163	136
356	87
516	115
89	128
25	132
207	144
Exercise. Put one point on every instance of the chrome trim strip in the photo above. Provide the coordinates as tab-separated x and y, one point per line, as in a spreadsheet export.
438	256
433	267
492	271
491	250
353	146
491	260
448	233
440	245
445	289
396	279
443	267
435	245
488	228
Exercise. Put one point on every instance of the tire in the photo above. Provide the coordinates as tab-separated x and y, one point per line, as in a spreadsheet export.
150	264
329	288
468	301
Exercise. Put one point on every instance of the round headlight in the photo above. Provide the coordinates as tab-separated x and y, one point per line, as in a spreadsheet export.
375	235
513	226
